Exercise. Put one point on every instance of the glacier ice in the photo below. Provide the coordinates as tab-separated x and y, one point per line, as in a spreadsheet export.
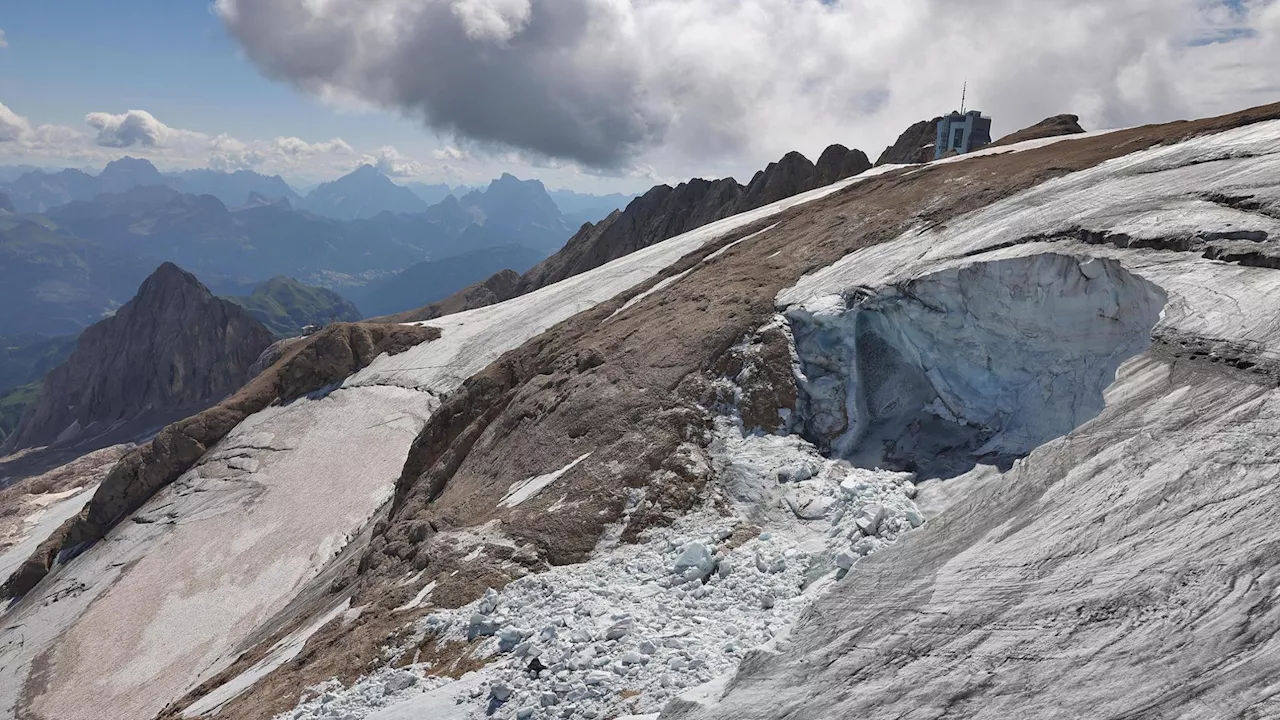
985	359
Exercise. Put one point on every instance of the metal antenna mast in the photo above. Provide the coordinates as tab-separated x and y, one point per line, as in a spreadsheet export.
963	94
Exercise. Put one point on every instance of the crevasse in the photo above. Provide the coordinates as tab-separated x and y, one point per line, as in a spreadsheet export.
981	360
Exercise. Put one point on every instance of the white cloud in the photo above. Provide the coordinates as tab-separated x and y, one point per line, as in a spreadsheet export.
12	125
692	85
141	134
297	148
450	152
4	41
492	19
392	163
135	127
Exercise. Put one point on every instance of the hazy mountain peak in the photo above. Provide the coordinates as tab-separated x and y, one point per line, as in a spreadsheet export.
362	193
131	164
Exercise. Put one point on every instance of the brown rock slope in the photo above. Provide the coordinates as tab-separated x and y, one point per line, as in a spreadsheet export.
18	500
632	390
173	350
665	212
1049	127
323	359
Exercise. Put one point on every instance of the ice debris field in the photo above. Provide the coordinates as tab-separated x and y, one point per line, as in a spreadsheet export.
639	625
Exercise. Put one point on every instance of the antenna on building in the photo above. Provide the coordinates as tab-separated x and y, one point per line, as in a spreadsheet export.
963	94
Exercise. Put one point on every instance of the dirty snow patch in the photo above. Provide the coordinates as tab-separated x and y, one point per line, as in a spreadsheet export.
525	489
419	598
283	651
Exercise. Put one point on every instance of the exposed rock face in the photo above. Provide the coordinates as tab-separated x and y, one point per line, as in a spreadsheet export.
665	212
1049	127
914	145
838	162
35	506
791	175
172	350
317	361
661	213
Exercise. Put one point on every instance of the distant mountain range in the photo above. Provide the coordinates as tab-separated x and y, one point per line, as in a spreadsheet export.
54	283
76	245
579	208
361	194
426	282
235	189
233	245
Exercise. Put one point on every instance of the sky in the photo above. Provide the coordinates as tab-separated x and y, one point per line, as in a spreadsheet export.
592	95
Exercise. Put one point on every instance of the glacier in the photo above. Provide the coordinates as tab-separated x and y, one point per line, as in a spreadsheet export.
1121	567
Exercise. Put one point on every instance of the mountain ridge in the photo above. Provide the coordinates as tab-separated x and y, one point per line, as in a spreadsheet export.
172	349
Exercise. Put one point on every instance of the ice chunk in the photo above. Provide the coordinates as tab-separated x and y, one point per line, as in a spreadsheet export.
481	625
619	628
632	657
808	502
870	517
695	556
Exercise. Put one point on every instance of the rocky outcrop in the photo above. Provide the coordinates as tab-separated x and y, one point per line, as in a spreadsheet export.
172	350
838	162
793	174
914	145
665	212
1049	127
320	360
661	213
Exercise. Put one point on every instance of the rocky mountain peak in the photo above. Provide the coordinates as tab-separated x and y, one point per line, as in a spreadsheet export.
129	172
665	212
914	145
1064	124
172	350
838	162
